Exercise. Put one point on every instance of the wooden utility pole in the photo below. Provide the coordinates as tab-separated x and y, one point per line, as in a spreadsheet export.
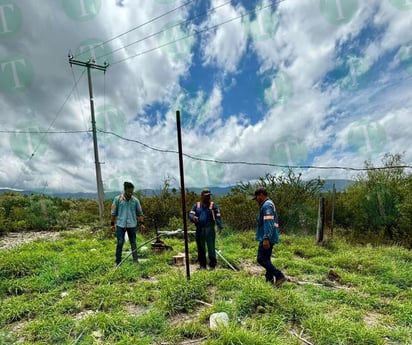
100	192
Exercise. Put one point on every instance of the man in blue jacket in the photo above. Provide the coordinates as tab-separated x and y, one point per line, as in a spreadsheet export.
126	212
205	215
267	233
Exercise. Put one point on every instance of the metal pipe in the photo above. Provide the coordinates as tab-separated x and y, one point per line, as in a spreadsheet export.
228	263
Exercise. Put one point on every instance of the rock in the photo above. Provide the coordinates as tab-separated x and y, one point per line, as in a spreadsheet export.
218	320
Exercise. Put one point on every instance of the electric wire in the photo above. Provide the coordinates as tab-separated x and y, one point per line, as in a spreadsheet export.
48	129
166	29
45	132
195	33
78	97
405	166
138	26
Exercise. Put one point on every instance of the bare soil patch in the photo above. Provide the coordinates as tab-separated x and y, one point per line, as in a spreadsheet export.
13	239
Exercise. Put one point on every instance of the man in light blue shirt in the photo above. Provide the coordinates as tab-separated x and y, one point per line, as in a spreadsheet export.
126	213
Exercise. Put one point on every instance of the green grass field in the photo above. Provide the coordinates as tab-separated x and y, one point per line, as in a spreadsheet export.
69	292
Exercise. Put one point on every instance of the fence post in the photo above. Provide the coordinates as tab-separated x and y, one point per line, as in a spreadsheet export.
333	210
321	221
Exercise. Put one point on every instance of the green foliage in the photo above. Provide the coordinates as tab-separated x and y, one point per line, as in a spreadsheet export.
40	212
238	211
378	206
180	295
160	210
51	330
70	292
340	331
295	200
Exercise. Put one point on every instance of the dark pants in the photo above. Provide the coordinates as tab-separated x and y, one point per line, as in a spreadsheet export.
264	259
120	234
206	236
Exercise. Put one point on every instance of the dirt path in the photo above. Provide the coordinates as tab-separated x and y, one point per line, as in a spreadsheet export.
13	239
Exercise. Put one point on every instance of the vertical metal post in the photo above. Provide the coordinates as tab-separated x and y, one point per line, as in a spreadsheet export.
321	221
333	210
182	191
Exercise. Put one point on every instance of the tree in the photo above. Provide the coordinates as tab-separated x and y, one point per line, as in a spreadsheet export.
377	206
295	200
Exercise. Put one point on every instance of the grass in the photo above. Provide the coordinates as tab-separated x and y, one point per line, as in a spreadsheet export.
69	292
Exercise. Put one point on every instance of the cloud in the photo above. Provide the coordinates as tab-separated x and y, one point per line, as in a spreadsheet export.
216	47
331	80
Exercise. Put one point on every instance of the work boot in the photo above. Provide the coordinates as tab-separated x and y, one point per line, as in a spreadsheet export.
280	281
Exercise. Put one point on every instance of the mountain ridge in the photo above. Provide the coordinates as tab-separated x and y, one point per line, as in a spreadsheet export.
340	185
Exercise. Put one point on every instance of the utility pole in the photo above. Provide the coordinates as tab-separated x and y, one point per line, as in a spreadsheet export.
91	64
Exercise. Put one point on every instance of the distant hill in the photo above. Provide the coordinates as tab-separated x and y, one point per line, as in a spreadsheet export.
340	185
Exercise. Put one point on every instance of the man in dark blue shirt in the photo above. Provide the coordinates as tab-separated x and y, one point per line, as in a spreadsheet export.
205	215
267	233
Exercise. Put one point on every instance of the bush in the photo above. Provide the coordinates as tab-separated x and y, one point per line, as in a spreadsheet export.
378	206
295	200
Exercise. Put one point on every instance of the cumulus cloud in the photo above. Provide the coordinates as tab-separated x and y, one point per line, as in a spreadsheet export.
333	89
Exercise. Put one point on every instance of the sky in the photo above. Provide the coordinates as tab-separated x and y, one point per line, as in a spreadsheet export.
319	86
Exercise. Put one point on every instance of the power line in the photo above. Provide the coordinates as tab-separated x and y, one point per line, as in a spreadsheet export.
166	29
48	129
45	132
195	33
406	166
138	27
78	97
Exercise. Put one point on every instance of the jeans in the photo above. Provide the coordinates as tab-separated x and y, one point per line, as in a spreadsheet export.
206	236
120	234
264	259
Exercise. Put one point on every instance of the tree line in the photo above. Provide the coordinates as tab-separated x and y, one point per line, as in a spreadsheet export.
376	208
